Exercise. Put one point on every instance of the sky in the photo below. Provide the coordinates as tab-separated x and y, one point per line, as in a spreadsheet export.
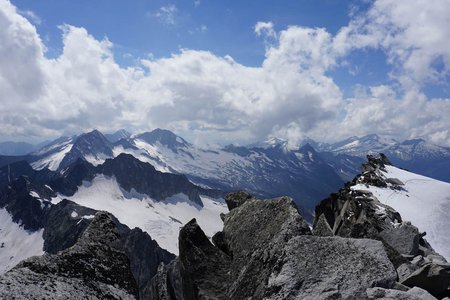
226	71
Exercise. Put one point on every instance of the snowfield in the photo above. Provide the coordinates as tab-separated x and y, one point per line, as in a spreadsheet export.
162	220
17	244
423	201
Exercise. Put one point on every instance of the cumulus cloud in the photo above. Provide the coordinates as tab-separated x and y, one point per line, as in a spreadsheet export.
216	99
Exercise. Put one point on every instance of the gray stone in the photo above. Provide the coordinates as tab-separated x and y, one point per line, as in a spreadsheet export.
412	294
405	238
330	268
431	277
394	181
322	228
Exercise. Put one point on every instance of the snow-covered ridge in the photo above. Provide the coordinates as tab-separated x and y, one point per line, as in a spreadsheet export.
422	200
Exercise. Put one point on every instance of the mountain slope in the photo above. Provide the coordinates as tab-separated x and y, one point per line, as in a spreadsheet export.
422	200
266	170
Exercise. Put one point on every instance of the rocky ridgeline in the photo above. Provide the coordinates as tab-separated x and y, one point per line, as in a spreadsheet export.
267	251
358	214
96	267
99	256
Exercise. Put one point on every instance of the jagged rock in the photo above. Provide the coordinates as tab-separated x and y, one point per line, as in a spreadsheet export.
208	267
431	277
145	256
95	267
266	251
236	199
330	268
322	227
405	238
412	294
256	233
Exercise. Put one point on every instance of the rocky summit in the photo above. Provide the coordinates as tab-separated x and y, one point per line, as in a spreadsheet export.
355	213
267	251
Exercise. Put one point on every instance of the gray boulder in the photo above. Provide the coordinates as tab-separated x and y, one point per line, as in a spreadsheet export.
405	238
432	277
330	268
412	294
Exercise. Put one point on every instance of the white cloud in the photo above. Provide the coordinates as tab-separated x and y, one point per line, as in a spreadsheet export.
214	98
167	14
265	28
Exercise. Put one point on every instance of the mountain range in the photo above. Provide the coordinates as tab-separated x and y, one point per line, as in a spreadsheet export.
267	169
148	216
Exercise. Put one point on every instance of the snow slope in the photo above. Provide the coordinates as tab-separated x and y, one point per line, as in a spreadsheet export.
162	220
53	160
423	201
17	244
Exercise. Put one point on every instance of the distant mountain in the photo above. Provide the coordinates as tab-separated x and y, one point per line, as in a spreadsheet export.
416	155
16	148
117	136
92	147
266	169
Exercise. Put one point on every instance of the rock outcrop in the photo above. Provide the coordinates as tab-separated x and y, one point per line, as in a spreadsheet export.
266	251
359	214
96	267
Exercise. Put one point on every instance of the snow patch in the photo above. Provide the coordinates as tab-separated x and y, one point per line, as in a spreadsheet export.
162	220
74	214
52	161
17	244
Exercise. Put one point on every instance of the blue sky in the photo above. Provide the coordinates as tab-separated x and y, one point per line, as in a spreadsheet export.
226	71
222	27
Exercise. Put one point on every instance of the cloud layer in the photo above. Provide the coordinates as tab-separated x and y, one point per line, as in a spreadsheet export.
216	99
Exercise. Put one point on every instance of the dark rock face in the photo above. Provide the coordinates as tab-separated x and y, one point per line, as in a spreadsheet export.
145	256
271	254
24	208
13	171
65	224
96	266
93	144
69	181
132	173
